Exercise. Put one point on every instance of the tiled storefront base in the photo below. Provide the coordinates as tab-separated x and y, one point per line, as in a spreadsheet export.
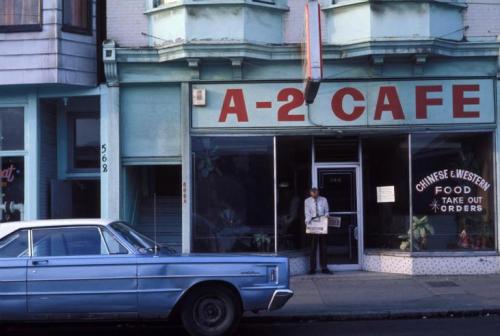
412	265
433	265
299	264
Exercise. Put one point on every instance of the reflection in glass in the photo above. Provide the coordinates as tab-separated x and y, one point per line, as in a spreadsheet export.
453	192
233	194
12	188
338	186
12	128
294	179
385	163
86	143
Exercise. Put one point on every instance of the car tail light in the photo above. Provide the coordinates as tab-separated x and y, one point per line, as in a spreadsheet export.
272	274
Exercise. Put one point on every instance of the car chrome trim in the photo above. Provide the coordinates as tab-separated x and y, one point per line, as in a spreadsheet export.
131	291
257	287
174	276
279	298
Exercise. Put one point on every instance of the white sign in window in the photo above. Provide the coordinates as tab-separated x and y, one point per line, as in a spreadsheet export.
386	194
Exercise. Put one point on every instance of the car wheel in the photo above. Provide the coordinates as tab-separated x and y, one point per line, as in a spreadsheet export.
211	311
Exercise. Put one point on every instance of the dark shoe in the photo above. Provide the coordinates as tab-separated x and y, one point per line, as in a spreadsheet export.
326	271
311	272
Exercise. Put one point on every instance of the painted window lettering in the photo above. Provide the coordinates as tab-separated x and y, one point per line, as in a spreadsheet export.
455	190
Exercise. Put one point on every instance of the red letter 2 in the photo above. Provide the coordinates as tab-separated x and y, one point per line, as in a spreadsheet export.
297	101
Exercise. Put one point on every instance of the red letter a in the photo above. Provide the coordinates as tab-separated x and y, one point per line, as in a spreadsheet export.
234	103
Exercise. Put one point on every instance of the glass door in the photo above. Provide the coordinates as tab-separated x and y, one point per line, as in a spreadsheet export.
339	185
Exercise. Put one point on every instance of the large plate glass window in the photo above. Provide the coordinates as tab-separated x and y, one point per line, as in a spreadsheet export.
11	164
233	187
386	192
77	16
453	192
293	166
20	15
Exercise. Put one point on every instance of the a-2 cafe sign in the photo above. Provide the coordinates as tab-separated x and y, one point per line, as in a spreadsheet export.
272	105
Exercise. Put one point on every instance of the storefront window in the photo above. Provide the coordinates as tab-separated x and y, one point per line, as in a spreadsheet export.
294	181
11	128
386	191
233	193
12	188
453	192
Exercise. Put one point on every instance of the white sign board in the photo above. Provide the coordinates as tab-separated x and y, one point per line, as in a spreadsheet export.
339	104
386	194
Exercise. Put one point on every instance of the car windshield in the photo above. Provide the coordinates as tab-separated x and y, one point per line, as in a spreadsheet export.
142	243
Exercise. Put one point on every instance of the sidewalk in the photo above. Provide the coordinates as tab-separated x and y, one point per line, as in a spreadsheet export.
363	295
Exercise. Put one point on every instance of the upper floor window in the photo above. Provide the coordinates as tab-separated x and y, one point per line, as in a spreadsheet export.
77	16
20	15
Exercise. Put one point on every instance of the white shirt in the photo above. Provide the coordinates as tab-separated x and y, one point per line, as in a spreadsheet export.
315	208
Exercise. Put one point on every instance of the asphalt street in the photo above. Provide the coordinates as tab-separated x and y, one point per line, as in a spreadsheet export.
483	326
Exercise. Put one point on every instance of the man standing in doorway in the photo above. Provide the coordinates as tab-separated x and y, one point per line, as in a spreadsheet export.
314	207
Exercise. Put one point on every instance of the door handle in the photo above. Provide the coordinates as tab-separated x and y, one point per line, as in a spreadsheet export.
40	262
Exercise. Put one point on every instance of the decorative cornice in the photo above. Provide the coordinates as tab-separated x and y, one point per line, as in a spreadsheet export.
110	62
194	65
216	3
236	50
347	3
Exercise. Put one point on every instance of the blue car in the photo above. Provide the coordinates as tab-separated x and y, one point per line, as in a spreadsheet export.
81	269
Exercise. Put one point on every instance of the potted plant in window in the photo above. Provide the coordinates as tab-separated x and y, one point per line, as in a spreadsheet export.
420	231
262	241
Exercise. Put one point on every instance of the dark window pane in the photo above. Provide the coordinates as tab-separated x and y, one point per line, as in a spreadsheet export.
233	197
19	12
14	245
67	242
337	149
12	188
86	143
453	192
385	164
77	14
12	128
294	180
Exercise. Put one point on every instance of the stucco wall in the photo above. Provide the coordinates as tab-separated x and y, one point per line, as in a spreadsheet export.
126	21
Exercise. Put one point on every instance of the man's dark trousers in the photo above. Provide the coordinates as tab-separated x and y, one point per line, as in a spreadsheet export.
318	239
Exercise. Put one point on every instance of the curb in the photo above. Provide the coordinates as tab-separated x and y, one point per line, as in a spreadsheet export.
371	315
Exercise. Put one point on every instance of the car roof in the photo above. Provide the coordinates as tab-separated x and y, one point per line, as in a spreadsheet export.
9	227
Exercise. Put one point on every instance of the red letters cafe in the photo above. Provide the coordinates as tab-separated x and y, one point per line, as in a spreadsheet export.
408	165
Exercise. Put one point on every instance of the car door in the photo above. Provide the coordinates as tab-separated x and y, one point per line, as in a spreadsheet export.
73	271
14	252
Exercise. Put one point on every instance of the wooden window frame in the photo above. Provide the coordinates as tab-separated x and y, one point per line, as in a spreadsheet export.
77	30
26	27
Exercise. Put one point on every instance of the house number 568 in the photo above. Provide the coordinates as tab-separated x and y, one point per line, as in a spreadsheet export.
104	158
